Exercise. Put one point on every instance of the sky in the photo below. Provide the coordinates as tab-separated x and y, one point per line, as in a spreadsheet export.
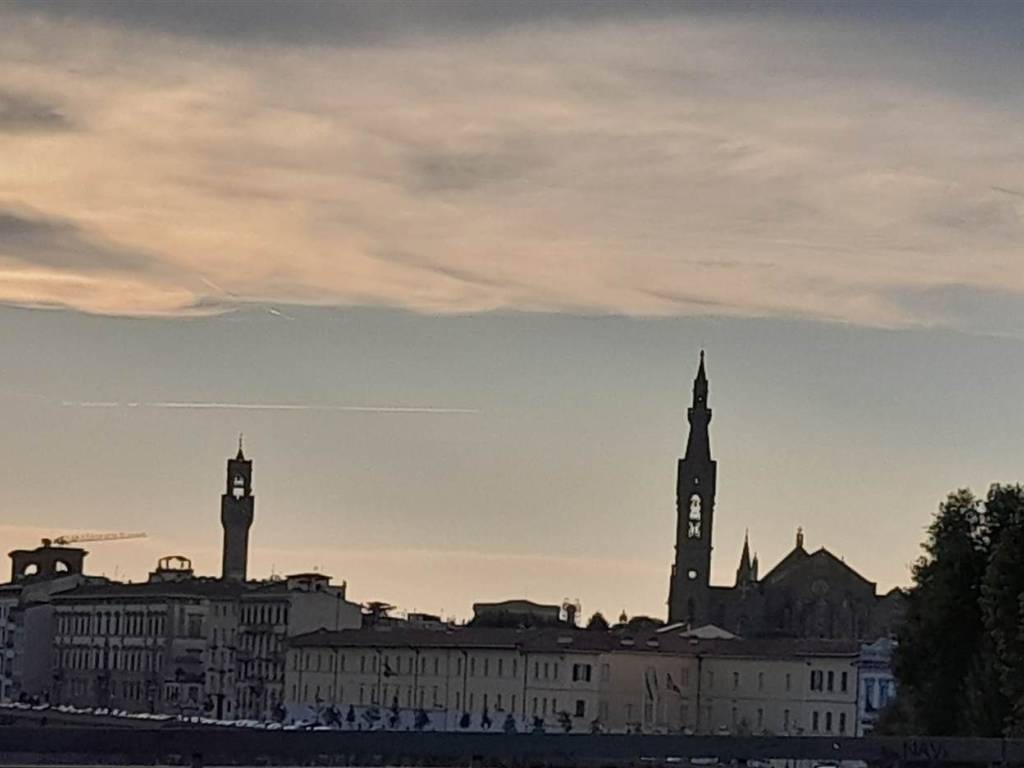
448	266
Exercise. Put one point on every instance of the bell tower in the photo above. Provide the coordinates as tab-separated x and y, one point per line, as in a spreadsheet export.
236	514
689	594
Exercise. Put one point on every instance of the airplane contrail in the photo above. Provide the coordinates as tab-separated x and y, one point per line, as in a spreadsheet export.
238	299
214	406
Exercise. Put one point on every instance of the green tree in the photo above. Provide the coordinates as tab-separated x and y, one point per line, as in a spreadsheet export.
960	661
598	623
1000	668
942	632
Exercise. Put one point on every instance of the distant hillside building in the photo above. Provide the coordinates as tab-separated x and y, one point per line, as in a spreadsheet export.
515	613
808	594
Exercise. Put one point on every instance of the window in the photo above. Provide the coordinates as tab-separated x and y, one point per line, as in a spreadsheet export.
842	723
828	722
844	681
735	680
814	721
581	707
789	681
472	667
869	694
536	670
760	681
831	680
546	670
817	680
785	720
885	692
760	719
514	667
501	663
711	679
513	707
487	667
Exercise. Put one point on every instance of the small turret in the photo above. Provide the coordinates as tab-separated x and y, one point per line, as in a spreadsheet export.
745	573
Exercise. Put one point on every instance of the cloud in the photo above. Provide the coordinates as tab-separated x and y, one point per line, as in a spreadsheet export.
40	241
25	113
657	162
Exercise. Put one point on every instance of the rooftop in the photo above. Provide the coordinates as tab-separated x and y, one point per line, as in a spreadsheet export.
553	640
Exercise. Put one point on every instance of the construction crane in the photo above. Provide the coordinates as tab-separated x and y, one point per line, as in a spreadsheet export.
79	538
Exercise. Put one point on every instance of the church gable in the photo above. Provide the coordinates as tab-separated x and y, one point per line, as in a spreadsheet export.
805	595
786	565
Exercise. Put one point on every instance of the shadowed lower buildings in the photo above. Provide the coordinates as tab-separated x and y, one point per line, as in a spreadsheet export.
555	679
177	643
807	594
790	641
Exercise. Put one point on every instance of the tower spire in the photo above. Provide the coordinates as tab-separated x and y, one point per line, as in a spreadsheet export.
236	516
699	415
745	573
689	598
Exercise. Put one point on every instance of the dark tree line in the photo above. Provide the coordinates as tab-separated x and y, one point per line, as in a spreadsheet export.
960	661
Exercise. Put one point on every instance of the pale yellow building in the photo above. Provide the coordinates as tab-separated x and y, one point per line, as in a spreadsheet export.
569	679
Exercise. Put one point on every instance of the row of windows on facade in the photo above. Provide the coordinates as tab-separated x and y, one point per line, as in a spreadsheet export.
541	705
130	623
820	680
332	662
261	644
129	660
265	671
270	613
826	681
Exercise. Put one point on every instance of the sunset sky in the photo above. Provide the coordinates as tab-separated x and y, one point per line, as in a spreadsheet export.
448	266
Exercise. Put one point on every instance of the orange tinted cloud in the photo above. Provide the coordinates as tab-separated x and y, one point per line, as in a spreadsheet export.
678	166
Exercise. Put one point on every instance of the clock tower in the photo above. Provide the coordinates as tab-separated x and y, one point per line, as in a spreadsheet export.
236	514
689	594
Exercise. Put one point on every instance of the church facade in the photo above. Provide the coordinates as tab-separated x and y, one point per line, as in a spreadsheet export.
807	594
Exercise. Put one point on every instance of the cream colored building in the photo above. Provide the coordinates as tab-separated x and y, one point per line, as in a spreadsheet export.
555	679
475	679
781	687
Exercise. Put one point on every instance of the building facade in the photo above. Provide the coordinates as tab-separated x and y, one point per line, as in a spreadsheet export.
808	594
185	644
573	680
27	617
877	683
270	614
